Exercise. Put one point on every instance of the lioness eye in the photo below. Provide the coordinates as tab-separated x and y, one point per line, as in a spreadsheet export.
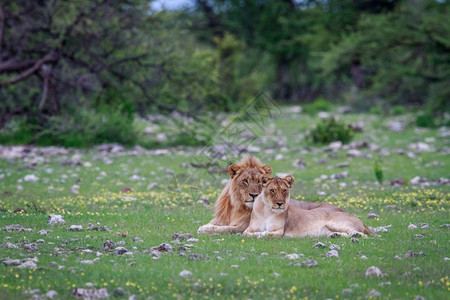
284	191
245	181
272	191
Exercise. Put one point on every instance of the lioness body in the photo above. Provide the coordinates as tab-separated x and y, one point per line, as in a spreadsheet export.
234	205
273	215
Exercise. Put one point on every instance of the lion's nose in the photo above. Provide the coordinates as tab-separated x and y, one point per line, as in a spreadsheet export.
279	204
253	196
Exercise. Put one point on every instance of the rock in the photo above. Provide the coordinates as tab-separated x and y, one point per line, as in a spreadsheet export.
205	201
30	247
12	262
411	254
86	262
91	293
346	291
380	228
373	271
120	250
334	146
319	245
354	240
185	273
341	175
445	226
74	189
55	220
373	215
385	283
196	256
76	227
374	293
193	240
234	266
120	243
126	190
152	186
27	265
343	165
419	236
164	247
419	298
108	245
420	147
300	164
292	256
137	239
395	126
309	263
334	247
99	228
398	182
30	178
397	257
412	226
294	264
51	294
357	153
42	232
181	236
363	257
357	127
14	227
133	297
119	292
332	253
8	245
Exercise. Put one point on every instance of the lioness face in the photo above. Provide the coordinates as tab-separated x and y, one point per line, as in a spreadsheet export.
276	192
247	182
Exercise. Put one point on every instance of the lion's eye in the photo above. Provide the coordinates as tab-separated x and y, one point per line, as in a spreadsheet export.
272	191
284	191
245	181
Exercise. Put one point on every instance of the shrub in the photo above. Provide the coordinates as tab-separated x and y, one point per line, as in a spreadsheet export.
319	105
376	110
425	120
378	171
330	130
398	110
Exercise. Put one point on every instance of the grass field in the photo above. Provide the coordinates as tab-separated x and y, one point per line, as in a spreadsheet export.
84	186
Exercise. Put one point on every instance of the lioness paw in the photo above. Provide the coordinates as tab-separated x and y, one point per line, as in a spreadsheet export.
208	228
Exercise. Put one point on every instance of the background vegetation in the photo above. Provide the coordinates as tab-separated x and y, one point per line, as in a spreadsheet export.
78	73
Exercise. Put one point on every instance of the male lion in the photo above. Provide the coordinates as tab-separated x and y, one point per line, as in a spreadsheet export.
273	215
235	203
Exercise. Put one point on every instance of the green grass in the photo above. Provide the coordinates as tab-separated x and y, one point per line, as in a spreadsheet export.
154	215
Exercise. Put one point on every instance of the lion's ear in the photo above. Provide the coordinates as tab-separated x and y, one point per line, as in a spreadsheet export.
234	170
290	180
267	170
265	180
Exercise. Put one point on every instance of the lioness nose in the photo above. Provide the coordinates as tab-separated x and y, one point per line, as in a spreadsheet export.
253	195
279	204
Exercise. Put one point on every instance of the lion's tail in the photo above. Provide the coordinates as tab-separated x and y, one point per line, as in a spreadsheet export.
368	231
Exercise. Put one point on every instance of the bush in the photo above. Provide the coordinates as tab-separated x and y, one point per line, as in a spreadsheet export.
398	110
319	105
376	110
425	120
330	130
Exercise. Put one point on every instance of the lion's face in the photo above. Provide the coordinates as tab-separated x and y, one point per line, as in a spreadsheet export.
276	192
246	183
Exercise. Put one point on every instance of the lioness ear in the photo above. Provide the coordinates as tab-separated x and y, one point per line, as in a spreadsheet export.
290	180
267	170
265	180
234	170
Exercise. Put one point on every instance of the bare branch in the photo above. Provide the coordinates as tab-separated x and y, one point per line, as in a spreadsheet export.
51	57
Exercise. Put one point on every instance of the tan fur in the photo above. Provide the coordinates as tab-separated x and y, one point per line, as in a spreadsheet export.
234	205
273	215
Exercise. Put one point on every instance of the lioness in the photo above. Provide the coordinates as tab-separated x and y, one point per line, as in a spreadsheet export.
235	203
273	215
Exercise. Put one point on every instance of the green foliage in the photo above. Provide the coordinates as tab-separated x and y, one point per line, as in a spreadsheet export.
378	170
398	110
375	110
320	104
425	120
330	130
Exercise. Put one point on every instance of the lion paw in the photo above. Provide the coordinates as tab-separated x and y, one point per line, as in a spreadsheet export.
337	234
205	229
